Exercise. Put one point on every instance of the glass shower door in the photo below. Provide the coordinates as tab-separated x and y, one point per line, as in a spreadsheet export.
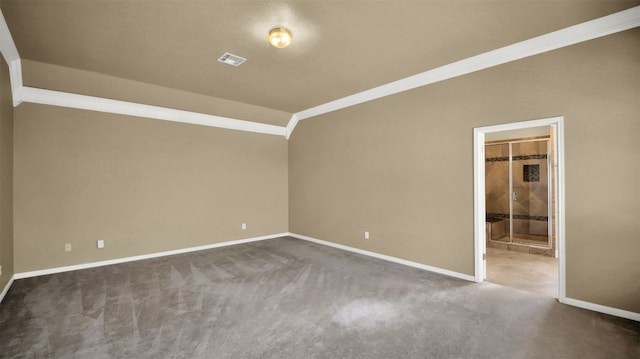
517	192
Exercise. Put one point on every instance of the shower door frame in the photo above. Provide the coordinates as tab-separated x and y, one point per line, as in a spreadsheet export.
550	222
479	209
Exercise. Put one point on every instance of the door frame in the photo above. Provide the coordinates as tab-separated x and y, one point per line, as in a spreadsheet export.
479	210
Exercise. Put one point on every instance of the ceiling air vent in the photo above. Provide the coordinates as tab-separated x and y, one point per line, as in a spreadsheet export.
232	59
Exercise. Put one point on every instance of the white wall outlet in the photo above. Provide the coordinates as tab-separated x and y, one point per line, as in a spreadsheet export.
366	235
0	270
100	243
244	226
67	247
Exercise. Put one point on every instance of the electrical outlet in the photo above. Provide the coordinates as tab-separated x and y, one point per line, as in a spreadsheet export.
100	243
67	247
244	226
0	270
366	235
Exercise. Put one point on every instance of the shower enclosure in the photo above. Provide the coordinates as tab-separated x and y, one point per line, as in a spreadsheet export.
518	193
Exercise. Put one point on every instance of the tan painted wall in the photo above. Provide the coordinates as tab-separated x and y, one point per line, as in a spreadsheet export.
53	77
141	185
6	176
402	167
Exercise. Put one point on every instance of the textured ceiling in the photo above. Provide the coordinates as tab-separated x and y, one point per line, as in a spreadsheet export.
339	48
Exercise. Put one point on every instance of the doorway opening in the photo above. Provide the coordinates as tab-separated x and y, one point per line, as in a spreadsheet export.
519	203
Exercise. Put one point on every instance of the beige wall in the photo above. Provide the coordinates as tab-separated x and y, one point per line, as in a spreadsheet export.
401	167
6	176
141	185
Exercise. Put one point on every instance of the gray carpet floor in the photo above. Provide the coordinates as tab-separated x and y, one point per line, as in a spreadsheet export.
287	298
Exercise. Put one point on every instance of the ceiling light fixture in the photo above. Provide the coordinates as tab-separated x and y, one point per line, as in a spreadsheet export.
280	37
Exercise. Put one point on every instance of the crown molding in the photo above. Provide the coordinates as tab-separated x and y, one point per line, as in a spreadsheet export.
11	56
65	99
291	125
589	30
15	77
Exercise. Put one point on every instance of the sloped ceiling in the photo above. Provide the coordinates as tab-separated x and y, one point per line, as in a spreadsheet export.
340	47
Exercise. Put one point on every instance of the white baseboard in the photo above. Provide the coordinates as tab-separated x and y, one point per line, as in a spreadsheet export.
573	302
601	308
141	257
6	288
569	301
388	258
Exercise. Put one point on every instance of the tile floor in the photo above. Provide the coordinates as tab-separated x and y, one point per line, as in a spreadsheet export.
529	272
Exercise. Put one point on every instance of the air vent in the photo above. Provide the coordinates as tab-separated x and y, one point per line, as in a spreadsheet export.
232	59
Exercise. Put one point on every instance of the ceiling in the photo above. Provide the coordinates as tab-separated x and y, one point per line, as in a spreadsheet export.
339	48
